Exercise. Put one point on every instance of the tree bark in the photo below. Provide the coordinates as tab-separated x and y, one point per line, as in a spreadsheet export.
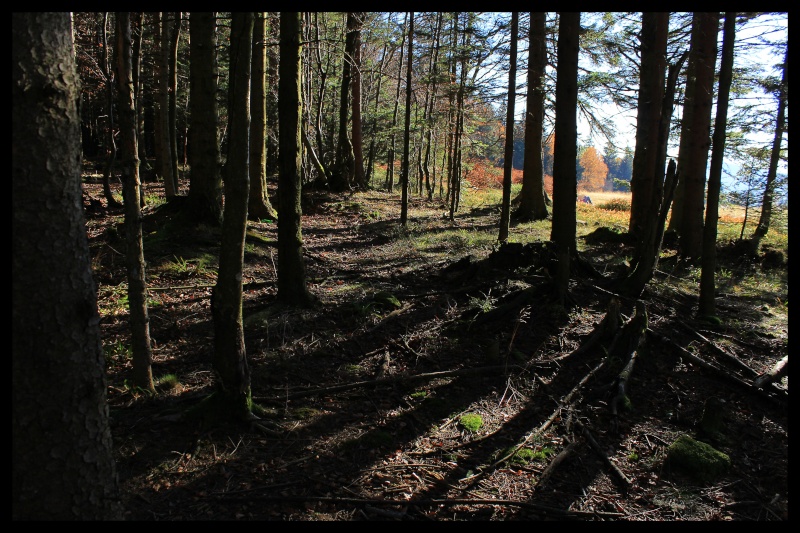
259	206
205	179
505	207
565	152
62	451
707	305
292	288
651	92
687	213
129	152
532	198
163	135
772	173
407	134
230	357
111	144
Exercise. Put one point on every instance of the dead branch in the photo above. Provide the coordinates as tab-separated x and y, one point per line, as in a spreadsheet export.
557	460
543	509
387	380
715	369
780	369
634	335
718	350
621	477
607	327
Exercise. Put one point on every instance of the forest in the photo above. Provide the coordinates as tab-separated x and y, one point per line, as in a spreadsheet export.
400	266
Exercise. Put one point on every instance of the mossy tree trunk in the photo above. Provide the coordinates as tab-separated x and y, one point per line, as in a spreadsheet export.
230	357
259	206
292	288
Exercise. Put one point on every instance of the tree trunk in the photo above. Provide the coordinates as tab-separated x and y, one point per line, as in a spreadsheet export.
129	151
108	170
709	260
292	288
205	180
230	357
565	152
259	206
695	140
532	203
391	151
358	137
407	133
772	173
505	209
344	168
173	97
62	465
651	92
162	127
136	60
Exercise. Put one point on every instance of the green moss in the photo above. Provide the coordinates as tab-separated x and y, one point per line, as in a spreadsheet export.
471	422
698	459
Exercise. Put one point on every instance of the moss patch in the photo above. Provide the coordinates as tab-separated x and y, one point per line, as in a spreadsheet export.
697	459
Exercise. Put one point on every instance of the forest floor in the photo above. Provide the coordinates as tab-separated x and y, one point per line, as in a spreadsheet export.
364	395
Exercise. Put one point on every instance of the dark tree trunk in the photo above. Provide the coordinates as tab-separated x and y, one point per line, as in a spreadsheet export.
344	168
129	152
230	357
772	173
651	92
407	134
162	128
565	152
292	288
108	170
62	465
391	152
354	24
136	60
205	180
505	209
173	97
532	198
687	213
707	306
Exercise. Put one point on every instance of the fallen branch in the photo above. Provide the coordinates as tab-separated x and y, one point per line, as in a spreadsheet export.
727	356
716	370
385	381
780	369
621	477
543	509
634	333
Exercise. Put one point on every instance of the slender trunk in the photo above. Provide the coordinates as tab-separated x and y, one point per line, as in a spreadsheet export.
407	135
129	152
772	173
709	260
505	209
